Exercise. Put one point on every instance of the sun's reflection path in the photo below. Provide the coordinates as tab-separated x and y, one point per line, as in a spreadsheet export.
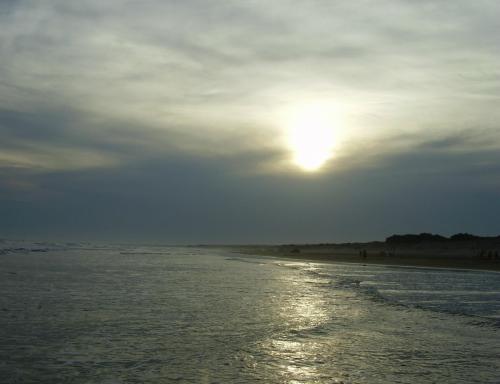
307	305
293	361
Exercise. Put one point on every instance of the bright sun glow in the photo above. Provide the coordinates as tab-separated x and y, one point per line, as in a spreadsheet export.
312	138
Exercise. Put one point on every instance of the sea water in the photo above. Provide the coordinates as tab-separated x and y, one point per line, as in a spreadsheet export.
186	315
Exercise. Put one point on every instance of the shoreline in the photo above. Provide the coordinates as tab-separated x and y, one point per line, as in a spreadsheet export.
428	260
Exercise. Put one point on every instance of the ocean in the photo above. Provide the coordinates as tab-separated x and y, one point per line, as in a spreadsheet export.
137	314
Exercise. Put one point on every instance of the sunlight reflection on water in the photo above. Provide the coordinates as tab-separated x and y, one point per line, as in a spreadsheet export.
197	316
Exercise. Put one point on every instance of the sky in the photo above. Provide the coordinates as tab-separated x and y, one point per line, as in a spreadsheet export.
248	121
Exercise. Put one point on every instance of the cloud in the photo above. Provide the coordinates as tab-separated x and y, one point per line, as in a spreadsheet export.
182	199
117	113
215	68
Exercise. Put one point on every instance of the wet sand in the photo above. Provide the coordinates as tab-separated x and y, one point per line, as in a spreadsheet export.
432	257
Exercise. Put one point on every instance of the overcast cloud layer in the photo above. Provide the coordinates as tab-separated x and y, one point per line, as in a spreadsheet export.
165	120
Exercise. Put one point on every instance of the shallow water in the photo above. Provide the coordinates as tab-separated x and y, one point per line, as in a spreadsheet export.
186	315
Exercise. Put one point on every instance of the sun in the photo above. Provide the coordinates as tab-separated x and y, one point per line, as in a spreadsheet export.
311	137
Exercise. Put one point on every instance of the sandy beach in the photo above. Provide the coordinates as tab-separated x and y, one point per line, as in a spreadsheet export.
461	256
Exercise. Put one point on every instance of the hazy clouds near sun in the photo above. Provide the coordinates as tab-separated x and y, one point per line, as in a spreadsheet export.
112	84
214	71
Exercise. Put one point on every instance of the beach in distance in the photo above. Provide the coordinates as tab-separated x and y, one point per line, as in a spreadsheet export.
463	251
